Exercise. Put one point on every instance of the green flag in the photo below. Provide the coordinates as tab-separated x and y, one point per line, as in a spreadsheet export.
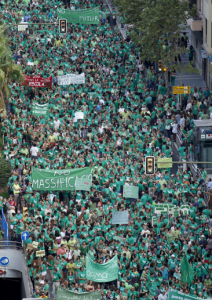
68	295
83	16
40	109
58	180
101	273
187	272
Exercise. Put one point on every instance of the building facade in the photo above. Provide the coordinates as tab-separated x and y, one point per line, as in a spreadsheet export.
201	38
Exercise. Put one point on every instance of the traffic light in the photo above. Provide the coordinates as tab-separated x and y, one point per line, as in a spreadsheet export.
25	213
63	26
150	165
160	65
161	68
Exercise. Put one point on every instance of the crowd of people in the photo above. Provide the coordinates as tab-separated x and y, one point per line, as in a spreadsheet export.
128	114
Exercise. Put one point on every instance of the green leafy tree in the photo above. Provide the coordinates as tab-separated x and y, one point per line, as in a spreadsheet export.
157	28
9	70
5	172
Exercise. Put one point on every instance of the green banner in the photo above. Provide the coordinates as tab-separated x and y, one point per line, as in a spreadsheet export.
130	191
84	16
68	295
173	295
83	184
160	162
57	180
40	109
101	273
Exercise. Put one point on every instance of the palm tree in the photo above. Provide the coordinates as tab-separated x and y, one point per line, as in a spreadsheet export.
9	70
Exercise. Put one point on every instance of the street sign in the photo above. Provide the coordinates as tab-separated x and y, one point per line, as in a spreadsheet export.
4	261
204	54
1	272
25	236
181	90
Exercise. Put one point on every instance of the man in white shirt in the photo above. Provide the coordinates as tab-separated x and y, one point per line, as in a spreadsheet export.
189	105
56	123
162	295
34	152
145	231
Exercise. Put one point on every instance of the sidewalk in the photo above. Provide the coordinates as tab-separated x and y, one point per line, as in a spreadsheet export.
190	79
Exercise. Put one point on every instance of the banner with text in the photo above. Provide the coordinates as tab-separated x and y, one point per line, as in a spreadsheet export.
170	209
161	165
174	294
71	79
130	191
84	16
120	217
68	295
102	273
40	109
37	81
58	180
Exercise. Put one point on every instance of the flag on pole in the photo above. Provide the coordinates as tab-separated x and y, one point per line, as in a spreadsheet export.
187	272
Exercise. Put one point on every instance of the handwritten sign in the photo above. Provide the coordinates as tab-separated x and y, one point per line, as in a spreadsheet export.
130	191
120	217
79	115
35	245
83	184
40	253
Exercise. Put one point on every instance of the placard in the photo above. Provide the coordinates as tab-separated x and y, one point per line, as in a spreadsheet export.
120	217
130	191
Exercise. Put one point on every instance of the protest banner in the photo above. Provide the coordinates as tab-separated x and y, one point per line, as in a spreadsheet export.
71	79
79	115
171	209
37	81
120	217
21	27
40	253
40	109
83	184
93	95
83	16
154	220
57	180
130	191
174	294
102	273
35	245
69	295
30	246
161	165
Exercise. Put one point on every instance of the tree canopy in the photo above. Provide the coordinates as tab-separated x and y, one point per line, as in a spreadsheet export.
157	25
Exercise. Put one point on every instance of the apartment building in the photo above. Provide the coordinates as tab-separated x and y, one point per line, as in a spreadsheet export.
201	38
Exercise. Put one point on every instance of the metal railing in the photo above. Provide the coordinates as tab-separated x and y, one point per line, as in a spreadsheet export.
10	245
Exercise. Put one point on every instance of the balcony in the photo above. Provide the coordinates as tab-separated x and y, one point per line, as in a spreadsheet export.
196	23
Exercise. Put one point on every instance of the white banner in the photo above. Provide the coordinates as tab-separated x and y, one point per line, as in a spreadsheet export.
79	115
71	79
